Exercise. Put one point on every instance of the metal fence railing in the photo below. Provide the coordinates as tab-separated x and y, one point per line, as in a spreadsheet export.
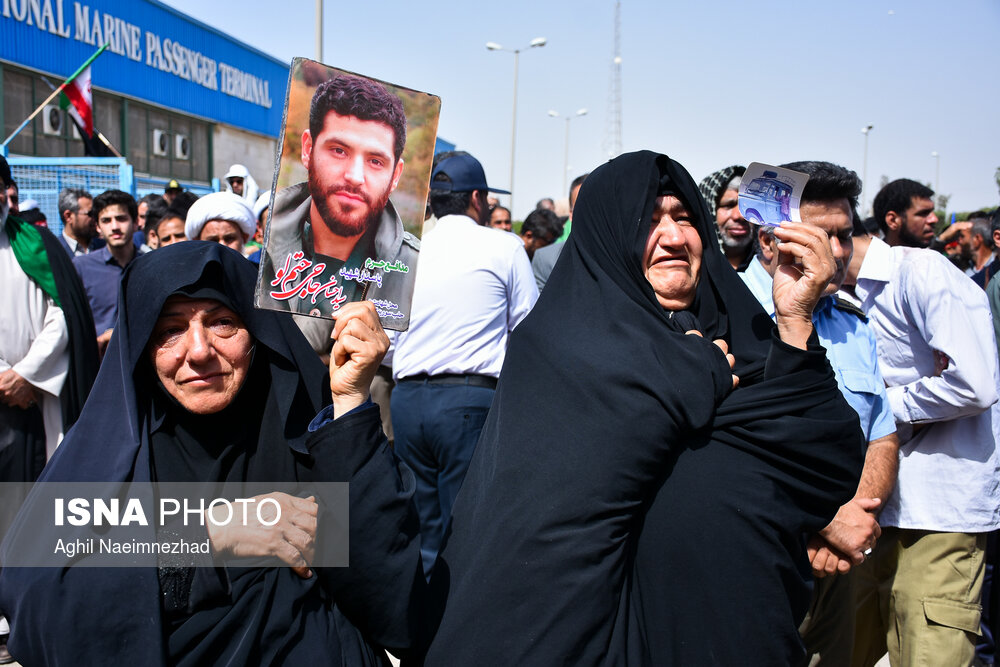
149	185
42	178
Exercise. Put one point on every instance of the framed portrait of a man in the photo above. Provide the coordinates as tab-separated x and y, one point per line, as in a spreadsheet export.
348	196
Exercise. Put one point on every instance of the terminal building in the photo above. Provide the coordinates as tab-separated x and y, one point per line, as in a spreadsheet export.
176	98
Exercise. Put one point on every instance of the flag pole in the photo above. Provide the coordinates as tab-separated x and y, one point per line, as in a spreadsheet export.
106	142
97	133
53	95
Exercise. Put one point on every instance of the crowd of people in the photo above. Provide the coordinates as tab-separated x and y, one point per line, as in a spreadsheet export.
645	431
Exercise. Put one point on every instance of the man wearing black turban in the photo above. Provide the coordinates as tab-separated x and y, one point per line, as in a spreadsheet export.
644	512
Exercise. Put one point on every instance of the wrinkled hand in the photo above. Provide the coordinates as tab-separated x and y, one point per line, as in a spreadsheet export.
805	267
825	560
291	539
360	345
722	345
854	529
17	392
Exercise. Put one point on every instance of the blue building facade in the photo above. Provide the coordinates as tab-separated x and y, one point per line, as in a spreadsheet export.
166	90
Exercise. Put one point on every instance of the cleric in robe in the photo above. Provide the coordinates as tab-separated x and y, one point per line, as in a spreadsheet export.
48	351
199	386
337	238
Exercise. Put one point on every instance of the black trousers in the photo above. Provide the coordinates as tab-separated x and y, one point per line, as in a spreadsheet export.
22	457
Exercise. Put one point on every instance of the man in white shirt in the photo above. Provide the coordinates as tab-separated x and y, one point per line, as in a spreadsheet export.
904	212
473	286
919	593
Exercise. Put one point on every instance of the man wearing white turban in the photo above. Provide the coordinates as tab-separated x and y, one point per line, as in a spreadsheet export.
222	217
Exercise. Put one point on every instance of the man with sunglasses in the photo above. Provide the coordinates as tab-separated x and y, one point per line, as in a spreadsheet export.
79	235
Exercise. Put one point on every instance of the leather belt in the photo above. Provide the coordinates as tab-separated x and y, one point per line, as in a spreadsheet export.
469	379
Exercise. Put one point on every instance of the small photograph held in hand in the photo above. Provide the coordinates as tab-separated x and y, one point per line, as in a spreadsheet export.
349	195
770	195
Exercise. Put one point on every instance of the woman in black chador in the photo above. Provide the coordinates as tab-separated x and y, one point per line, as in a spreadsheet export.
198	386
627	505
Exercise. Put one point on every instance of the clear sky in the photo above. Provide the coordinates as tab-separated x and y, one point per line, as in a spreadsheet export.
708	83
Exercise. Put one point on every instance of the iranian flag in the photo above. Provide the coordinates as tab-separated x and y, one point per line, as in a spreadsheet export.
74	96
75	99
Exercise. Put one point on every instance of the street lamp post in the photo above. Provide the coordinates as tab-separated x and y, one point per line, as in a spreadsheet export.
319	30
937	172
555	114
864	171
537	42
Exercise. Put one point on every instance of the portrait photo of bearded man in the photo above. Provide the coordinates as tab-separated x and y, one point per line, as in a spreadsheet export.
336	237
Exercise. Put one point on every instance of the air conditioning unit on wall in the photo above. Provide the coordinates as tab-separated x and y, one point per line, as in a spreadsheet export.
182	147
161	143
52	120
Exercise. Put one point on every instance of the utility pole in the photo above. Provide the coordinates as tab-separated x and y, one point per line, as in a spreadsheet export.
937	171
864	178
536	43
613	133
319	30
569	117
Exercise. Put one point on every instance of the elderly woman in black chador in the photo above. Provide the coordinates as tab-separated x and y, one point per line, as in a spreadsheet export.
627	505
198	386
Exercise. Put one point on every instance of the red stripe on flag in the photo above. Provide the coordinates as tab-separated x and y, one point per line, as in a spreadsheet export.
82	107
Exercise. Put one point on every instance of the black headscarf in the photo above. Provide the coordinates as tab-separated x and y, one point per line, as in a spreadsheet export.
131	427
124	389
601	391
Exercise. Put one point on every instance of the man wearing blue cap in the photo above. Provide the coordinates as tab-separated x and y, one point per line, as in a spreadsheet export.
474	285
